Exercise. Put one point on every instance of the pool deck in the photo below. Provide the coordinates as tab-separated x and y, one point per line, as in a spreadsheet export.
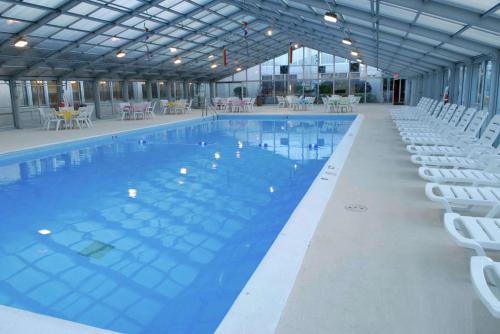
391	269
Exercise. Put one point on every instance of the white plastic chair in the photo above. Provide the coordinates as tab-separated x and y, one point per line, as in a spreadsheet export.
149	112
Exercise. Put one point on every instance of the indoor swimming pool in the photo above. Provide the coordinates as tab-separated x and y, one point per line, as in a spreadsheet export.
155	229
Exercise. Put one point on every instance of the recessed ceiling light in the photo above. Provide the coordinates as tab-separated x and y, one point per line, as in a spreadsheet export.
347	41
120	54
44	231
21	43
330	17
354	53
173	50
177	61
183	171
269	32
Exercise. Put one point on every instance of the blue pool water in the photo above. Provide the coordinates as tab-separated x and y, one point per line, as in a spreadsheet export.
154	231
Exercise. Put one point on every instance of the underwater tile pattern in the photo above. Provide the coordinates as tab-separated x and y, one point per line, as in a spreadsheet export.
155	232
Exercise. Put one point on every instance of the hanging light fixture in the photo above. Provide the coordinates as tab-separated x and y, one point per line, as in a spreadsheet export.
213	66
177	61
354	53
21	43
359	60
347	41
269	32
173	50
210	57
238	69
296	46
330	17
120	54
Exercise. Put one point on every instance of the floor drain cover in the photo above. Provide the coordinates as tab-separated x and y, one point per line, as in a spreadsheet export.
356	207
96	250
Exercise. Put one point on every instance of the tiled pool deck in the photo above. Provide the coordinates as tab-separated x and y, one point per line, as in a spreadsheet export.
391	269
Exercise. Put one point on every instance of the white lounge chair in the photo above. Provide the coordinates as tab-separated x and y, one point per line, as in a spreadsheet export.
419	112
454	196
460	145
473	177
457	123
436	127
484	270
449	134
428	114
477	233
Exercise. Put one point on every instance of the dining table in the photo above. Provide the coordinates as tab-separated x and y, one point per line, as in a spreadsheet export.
68	114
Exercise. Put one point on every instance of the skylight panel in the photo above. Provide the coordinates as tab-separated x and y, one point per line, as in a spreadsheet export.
83	8
169	3
439	24
87	25
477	5
482	36
130	34
359	4
166	15
458	49
130	4
7	25
69	35
46	3
393	31
397	12
183	7
210	18
106	14
44	31
24	13
423	39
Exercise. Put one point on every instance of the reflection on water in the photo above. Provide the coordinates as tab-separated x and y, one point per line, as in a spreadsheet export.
151	232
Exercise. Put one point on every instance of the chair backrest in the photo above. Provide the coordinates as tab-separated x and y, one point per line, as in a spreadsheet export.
477	123
437	109
449	114
466	119
44	114
457	115
491	132
444	111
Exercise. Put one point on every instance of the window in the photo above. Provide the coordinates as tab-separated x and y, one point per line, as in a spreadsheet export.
475	85
154	90
38	93
53	96
88	91
104	91
117	87
487	84
21	93
460	83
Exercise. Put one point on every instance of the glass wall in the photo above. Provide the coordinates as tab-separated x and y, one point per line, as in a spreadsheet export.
311	73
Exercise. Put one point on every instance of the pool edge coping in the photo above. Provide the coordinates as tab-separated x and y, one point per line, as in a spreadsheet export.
261	302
